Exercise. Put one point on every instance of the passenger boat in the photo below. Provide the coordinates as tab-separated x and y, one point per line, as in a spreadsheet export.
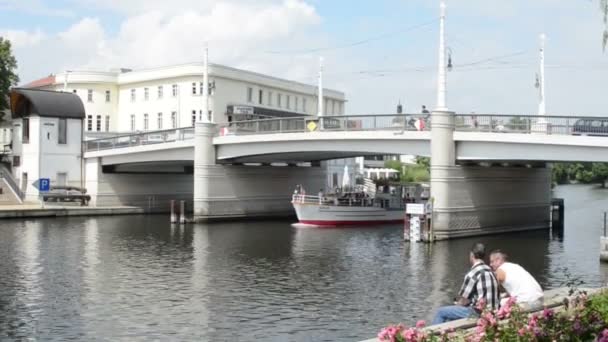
349	209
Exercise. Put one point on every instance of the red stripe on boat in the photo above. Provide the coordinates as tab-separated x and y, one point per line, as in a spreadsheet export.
348	223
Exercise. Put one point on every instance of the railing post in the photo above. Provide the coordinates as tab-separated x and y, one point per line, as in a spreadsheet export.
375	123
98	145
257	126
280	125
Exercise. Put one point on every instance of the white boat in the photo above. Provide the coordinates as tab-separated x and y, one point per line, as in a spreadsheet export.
347	211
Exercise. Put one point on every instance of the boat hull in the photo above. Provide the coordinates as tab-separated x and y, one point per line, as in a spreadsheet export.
333	216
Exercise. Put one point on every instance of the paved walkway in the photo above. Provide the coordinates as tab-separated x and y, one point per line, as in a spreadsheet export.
55	210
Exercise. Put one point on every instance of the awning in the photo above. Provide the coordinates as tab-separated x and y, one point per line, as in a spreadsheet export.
26	102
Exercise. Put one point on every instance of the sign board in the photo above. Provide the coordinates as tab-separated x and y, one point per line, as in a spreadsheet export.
415	209
242	110
312	126
42	184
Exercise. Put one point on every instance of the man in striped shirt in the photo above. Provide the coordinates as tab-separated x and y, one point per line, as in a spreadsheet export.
479	285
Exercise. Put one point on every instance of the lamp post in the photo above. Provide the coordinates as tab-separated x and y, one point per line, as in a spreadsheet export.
442	71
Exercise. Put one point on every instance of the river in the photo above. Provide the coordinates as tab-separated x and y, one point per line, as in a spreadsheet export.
138	278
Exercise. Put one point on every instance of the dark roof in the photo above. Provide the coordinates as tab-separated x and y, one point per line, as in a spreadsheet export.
26	102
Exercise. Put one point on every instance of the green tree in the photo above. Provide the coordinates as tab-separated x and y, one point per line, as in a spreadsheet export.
560	173
600	172
8	77
424	162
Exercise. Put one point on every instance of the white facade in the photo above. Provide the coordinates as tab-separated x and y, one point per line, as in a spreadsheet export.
170	97
43	154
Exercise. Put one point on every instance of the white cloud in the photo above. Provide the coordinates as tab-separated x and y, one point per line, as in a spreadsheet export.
23	39
37	7
235	33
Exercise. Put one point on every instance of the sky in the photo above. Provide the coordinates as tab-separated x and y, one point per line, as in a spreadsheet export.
379	53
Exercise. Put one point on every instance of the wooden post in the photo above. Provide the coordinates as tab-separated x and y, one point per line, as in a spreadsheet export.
182	212
173	215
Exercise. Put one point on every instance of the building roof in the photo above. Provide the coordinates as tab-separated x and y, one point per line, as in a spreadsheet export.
43	82
25	102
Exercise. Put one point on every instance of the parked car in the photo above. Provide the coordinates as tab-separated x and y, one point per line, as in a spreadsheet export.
591	126
67	194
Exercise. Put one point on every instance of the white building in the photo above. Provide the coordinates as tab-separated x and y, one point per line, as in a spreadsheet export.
170	97
47	139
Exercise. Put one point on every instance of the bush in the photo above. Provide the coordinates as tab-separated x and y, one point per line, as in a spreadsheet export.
582	319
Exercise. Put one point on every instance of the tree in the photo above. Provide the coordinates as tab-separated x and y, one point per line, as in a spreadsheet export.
600	172
8	77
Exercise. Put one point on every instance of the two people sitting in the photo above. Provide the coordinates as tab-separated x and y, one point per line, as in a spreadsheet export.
480	289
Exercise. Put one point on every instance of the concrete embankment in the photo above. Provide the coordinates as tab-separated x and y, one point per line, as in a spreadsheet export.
34	210
552	299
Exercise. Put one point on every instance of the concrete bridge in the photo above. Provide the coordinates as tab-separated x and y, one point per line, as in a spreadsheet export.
496	176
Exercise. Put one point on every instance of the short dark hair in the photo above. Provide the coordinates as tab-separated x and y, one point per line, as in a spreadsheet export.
478	250
498	251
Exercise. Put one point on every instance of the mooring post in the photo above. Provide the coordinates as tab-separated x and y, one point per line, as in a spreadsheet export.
173	216
182	212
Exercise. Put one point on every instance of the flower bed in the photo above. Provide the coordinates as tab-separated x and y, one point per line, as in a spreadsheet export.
581	318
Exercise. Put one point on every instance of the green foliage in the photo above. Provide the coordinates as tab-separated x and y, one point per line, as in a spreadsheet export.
518	124
586	173
8	77
411	173
424	161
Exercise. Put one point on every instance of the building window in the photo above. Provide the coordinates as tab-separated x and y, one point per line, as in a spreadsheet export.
146	122
107	123
132	122
193	88
89	122
297	103
325	109
160	92
90	95
279	98
288	102
269	98
25	132
62	129
249	94
333	107
16	161
160	120
174	90
193	117
98	123
146	94
132	94
202	90
108	97
304	105
173	119
260	96
340	109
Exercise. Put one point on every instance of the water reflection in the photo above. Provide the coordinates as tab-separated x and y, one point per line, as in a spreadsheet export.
141	278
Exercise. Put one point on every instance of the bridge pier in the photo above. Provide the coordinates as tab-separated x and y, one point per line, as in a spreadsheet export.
204	168
480	200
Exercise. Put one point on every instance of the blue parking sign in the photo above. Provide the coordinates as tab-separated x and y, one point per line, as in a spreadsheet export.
42	184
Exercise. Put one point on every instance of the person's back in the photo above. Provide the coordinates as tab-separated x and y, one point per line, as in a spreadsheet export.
520	284
481	284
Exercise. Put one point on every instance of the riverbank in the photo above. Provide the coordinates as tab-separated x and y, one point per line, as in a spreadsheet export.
37	211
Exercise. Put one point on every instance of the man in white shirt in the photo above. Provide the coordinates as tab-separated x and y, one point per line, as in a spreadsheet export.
518	282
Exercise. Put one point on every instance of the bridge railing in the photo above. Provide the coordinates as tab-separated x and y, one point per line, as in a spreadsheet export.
139	139
532	124
401	122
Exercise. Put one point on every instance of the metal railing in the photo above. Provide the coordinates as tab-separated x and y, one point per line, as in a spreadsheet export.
8	178
139	139
494	123
334	201
395	122
532	124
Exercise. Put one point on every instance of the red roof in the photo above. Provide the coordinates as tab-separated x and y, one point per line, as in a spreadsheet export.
43	82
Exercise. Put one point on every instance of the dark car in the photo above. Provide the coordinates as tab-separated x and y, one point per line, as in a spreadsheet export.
591	126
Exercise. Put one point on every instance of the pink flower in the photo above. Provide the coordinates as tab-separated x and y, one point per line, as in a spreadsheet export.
521	332
420	324
548	313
